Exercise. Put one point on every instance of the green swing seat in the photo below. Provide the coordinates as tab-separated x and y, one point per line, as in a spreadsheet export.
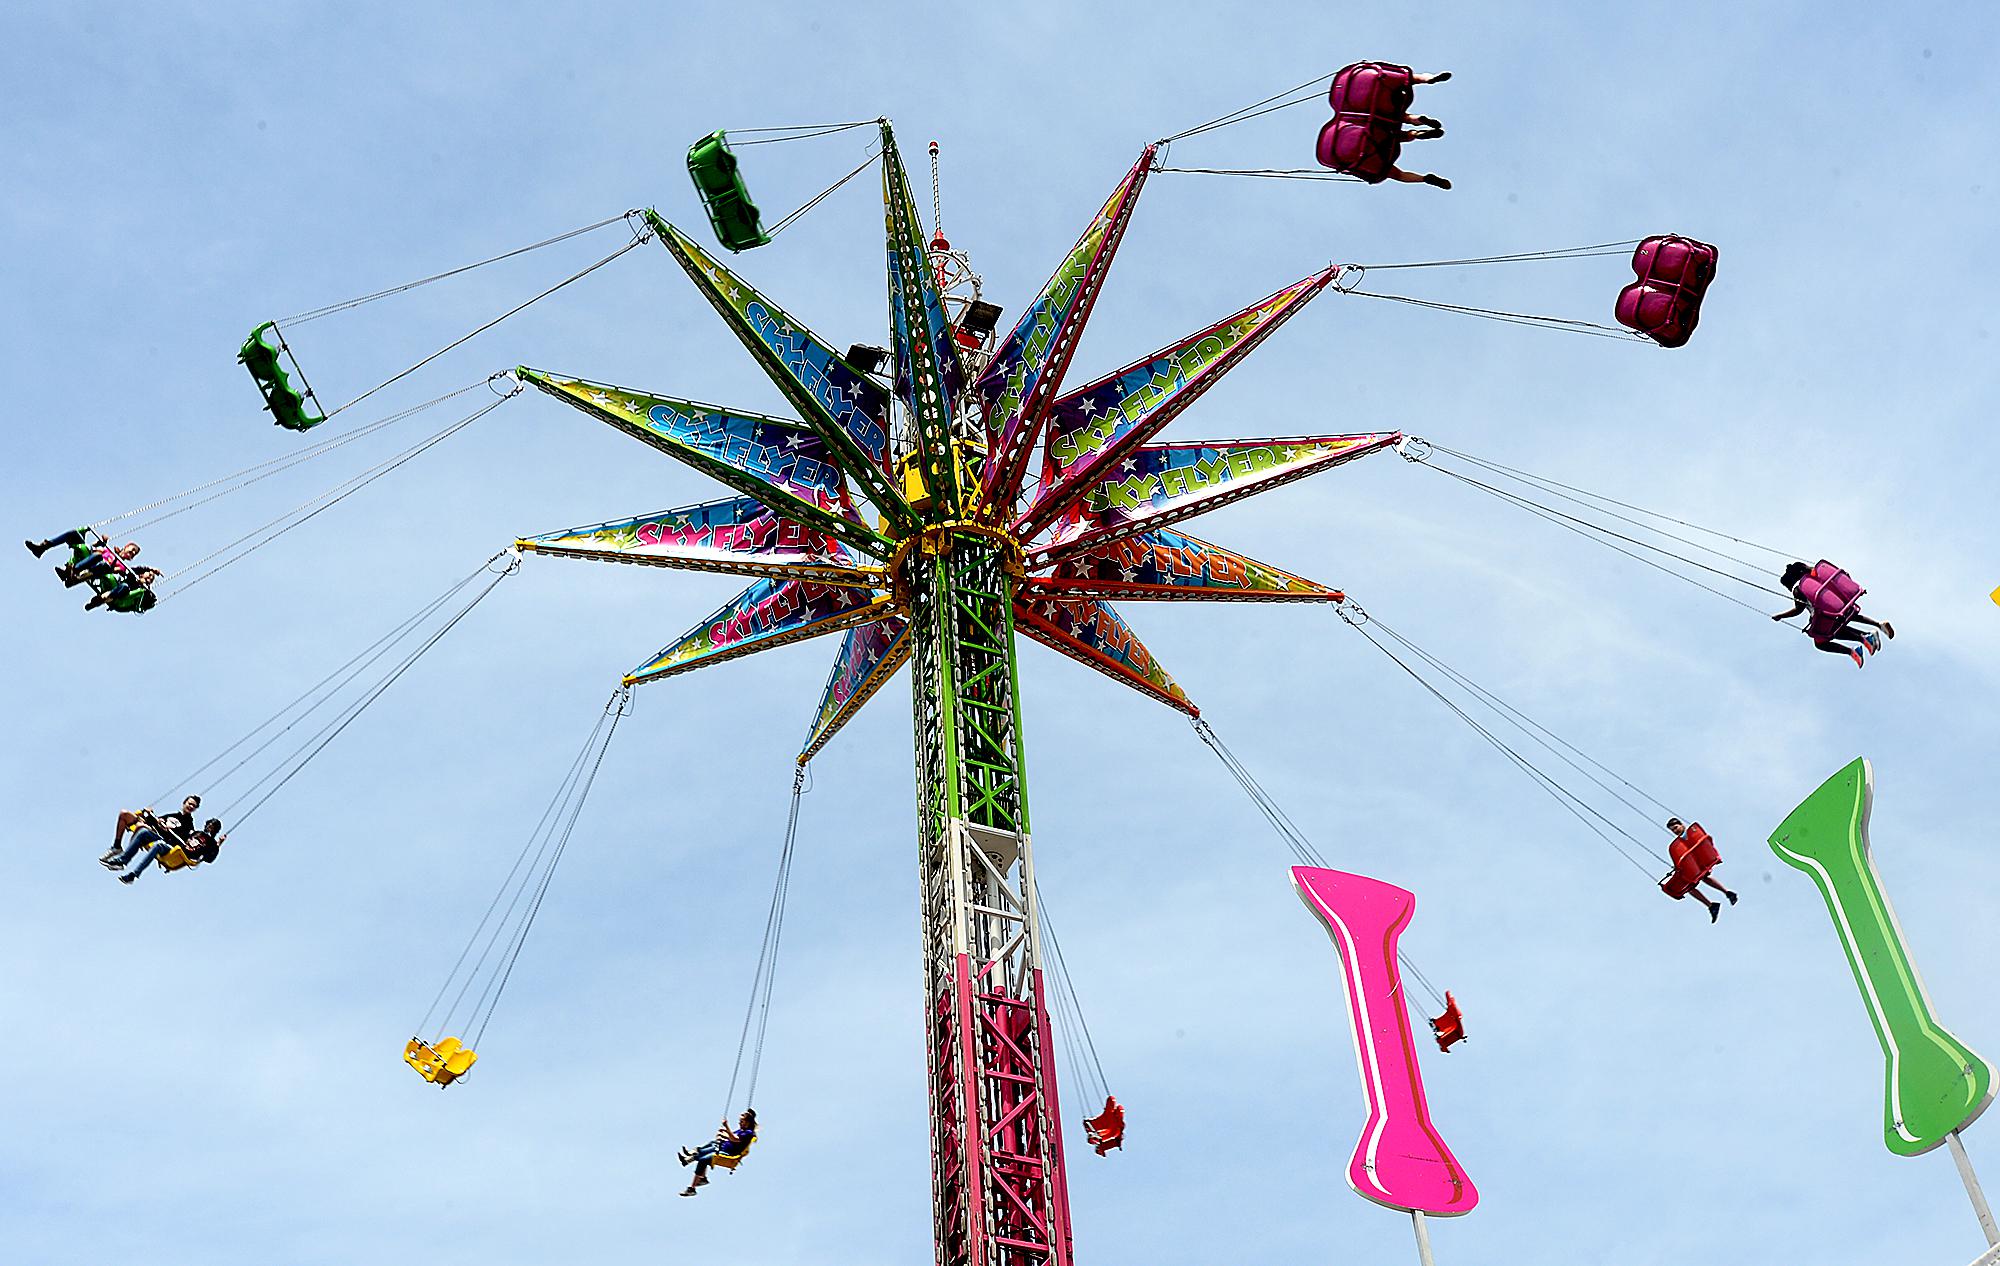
286	402
716	178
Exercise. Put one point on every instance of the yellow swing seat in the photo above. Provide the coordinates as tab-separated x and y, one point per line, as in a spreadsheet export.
442	1064
731	1162
176	858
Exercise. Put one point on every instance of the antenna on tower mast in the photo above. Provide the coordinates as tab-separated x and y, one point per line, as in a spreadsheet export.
972	318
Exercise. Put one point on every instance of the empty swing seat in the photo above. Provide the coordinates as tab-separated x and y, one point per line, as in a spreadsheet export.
442	1064
1694	856
731	214
1449	1028
1664	304
286	402
1365	136
1106	1130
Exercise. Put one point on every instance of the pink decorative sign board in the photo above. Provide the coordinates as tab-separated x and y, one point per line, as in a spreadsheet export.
1401	1161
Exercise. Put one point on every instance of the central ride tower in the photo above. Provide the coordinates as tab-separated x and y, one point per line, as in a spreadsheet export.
998	1189
998	1192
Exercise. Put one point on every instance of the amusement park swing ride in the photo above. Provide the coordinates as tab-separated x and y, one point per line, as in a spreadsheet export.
935	501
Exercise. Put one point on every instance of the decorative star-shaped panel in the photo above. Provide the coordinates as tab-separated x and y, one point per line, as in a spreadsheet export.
830	504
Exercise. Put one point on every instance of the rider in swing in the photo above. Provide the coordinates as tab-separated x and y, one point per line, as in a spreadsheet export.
730	1145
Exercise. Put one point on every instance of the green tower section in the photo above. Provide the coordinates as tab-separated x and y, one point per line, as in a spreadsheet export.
968	722
1934	1083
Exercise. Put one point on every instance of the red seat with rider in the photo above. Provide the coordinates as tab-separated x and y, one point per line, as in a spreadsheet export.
1106	1130
1694	856
1449	1028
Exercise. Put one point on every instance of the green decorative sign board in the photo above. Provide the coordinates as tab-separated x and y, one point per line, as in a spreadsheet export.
1935	1083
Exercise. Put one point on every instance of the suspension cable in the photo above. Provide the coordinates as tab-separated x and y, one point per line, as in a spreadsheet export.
1564	252
1548	484
757	1013
1288	830
318	742
1592	818
1599	533
1267	173
314	314
641	234
1256	108
318	504
619	705
1548	738
263	469
821	196
347	672
507	885
1350	277
1069	1009
1566	325
801	132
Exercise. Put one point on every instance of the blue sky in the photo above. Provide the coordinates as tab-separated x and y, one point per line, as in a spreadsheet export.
205	1069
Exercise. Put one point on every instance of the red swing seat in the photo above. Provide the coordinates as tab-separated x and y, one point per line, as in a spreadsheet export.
1449	1028
1106	1130
1694	856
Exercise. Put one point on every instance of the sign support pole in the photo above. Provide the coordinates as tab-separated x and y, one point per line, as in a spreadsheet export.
1972	1190
1424	1237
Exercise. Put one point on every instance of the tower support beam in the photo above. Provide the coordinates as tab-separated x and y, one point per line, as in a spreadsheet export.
997	1183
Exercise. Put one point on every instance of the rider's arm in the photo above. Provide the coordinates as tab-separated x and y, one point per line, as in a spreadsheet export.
1798	608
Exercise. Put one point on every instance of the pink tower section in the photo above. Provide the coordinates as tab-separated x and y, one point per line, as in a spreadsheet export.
1401	1161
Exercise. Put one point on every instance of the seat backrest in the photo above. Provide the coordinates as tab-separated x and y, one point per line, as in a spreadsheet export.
1449	1028
728	1160
1359	148
1373	90
1695	855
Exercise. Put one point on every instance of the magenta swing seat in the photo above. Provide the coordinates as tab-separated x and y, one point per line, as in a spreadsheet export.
1664	304
1832	597
1365	136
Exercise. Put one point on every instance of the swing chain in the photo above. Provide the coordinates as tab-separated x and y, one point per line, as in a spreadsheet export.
1341	273
1351	611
